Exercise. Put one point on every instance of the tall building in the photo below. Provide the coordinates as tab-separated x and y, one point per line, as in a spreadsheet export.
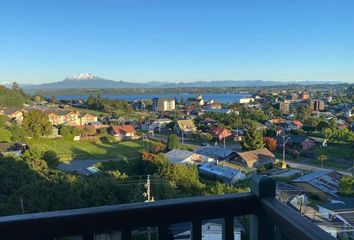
304	96
284	106
164	104
317	105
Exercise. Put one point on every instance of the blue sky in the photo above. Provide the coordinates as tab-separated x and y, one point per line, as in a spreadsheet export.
177	40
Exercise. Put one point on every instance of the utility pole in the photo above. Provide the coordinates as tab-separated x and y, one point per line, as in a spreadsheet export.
285	140
147	194
224	143
149	198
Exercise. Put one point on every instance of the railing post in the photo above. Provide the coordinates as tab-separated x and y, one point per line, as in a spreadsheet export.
262	228
228	228
196	229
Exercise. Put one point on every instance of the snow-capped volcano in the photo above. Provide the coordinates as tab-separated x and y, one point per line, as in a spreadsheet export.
83	76
87	80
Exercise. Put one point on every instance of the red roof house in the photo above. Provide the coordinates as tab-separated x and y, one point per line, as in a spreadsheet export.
122	131
220	133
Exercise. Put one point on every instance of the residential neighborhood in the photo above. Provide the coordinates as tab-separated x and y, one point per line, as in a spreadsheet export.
306	148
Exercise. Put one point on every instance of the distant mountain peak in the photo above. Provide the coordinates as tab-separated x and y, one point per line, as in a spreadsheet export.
83	76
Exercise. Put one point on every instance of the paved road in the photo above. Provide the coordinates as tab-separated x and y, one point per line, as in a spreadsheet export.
307	167
79	166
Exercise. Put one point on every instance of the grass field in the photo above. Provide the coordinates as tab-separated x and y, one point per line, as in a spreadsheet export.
340	156
337	150
68	150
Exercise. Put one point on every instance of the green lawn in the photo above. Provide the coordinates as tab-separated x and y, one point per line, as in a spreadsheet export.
340	156
337	150
68	150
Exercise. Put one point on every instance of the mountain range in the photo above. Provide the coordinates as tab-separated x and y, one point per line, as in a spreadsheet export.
92	81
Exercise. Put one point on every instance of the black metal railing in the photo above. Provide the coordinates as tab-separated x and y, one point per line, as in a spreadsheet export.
270	219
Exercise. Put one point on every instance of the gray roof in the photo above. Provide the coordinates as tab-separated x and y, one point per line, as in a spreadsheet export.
215	152
221	171
326	181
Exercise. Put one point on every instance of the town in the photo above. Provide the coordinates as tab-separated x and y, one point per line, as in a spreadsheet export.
97	151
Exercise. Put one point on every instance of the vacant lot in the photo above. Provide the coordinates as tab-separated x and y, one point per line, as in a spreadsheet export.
68	150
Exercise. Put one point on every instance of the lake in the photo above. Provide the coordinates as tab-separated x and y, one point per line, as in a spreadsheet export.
217	97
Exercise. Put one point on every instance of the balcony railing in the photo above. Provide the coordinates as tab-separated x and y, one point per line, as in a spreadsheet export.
270	219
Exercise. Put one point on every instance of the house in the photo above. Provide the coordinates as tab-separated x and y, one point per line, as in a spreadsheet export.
297	142
294	125
223	173
255	158
285	124
185	127
64	117
324	184
87	118
156	125
214	105
123	131
55	118
245	100
216	152
220	133
339	212
72	118
186	157
14	114
10	148
196	102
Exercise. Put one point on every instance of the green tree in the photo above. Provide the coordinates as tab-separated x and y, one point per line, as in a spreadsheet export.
5	135
18	133
304	111
185	179
91	101
346	186
11	97
222	188
36	124
51	158
253	137
69	132
3	120
327	133
172	142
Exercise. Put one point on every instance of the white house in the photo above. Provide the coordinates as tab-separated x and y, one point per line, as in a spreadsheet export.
186	157
246	100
